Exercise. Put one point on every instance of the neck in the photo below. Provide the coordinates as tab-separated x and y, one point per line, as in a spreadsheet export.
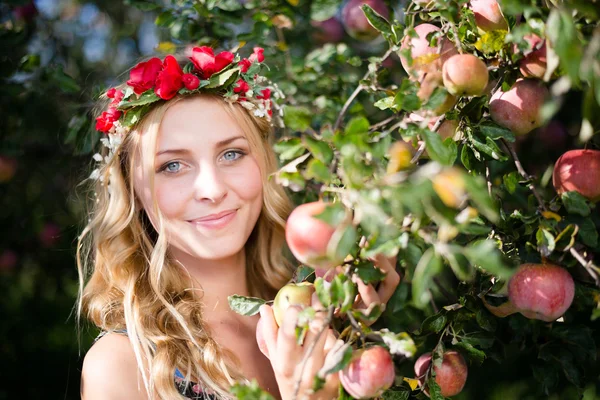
216	280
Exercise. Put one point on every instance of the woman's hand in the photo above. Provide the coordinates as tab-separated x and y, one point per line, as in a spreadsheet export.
367	294
287	356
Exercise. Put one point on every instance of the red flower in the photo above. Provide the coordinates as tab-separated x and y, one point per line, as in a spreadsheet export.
143	75
190	81
116	95
205	61
241	86
169	80
257	55
245	65
106	121
265	94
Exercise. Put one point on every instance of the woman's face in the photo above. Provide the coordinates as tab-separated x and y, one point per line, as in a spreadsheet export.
208	186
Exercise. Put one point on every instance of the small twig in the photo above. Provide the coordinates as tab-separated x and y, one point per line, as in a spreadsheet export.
588	265
524	174
356	92
288	59
442	289
419	152
310	350
383	123
457	42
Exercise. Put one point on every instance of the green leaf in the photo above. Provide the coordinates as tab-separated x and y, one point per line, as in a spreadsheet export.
511	181
399	343
357	125
429	266
475	354
134	115
289	148
545	242
336	360
385	103
588	233
491	42
376	20
223	78
562	33
575	203
342	244
322	290
407	101
369	273
476	187
297	118
494	131
243	305
434	323
145	98
318	148
302	273
250	391
318	171
485	320
435	393
443	152
396	395
486	255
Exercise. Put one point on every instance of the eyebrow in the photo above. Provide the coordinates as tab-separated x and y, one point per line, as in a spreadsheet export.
221	143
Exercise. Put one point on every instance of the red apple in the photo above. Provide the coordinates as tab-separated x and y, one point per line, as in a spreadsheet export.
8	167
465	75
8	260
292	295
450	377
518	109
578	170
356	23
369	374
541	291
308	237
488	15
425	57
27	12
533	64
328	31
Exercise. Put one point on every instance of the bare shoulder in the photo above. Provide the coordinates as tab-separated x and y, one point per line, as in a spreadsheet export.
110	371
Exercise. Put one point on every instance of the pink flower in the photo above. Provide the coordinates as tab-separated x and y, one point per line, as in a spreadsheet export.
169	79
241	86
257	55
190	81
205	61
245	65
116	95
143	75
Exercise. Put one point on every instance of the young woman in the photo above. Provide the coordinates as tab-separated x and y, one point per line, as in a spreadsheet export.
185	215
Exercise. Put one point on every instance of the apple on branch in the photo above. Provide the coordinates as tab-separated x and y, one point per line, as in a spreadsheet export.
370	372
308	237
578	170
451	376
356	23
541	291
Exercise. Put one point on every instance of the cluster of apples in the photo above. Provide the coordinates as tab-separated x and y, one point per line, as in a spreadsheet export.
517	109
371	370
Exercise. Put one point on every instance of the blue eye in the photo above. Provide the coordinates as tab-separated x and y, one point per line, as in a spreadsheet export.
232	155
173	166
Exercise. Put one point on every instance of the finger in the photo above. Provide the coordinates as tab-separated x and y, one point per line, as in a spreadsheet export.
388	286
317	355
289	351
260	339
367	293
269	328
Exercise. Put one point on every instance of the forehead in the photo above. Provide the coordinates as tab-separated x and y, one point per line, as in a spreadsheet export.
197	121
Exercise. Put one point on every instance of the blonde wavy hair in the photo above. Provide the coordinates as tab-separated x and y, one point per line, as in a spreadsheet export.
128	280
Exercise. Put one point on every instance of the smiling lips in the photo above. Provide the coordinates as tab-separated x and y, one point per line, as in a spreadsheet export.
215	221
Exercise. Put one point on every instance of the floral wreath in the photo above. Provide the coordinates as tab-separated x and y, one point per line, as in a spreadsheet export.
236	78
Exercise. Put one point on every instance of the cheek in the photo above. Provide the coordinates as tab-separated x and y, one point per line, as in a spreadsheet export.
248	184
171	197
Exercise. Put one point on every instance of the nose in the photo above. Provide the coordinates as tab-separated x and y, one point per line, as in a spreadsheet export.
210	185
